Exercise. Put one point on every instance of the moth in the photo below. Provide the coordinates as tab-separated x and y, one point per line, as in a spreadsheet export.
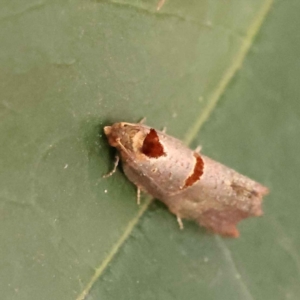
192	185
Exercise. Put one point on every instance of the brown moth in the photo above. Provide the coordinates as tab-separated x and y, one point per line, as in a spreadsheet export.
193	186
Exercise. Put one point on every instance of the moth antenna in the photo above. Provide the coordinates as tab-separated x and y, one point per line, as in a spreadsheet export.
123	148
117	159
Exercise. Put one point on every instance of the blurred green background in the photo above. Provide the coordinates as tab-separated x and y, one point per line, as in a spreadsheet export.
222	74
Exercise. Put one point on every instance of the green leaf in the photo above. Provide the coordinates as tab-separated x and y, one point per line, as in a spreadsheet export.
69	68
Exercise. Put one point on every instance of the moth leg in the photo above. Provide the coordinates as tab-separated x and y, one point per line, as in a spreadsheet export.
138	196
142	120
164	130
160	4
198	149
117	159
179	221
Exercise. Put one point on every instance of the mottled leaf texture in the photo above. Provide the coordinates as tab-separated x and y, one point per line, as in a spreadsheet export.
220	74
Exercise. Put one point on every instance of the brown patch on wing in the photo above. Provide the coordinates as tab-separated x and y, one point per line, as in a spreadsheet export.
251	196
152	146
223	222
242	191
198	171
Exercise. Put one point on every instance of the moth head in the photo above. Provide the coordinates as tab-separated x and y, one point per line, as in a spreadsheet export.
126	137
